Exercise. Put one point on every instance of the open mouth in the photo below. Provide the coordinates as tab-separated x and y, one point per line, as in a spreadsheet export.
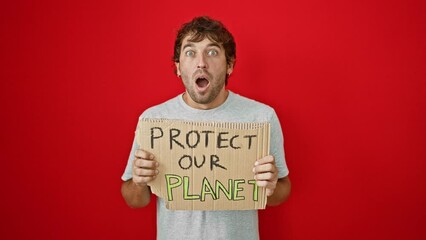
202	82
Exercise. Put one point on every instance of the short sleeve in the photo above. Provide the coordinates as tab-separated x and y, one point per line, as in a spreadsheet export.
277	146
128	171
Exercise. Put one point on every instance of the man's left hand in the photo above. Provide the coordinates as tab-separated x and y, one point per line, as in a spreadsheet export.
266	174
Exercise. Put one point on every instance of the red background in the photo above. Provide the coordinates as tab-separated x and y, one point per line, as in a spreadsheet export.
347	79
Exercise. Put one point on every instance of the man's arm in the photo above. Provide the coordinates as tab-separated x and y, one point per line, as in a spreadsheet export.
266	175
135	191
134	195
281	192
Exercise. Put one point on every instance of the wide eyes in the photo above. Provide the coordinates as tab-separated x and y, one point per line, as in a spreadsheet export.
211	52
190	53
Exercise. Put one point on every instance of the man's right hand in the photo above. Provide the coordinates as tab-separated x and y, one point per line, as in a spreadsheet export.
144	168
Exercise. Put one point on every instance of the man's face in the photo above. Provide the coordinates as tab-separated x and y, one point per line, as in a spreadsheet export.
203	68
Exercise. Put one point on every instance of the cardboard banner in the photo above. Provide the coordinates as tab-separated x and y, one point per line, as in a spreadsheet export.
206	165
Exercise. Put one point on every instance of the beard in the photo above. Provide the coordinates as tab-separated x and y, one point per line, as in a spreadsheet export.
207	97
215	87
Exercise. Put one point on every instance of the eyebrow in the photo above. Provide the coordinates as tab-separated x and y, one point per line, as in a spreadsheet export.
187	45
213	44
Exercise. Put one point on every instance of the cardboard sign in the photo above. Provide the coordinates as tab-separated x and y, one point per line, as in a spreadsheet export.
206	165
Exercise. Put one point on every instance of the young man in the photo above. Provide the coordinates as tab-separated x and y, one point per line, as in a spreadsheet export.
204	56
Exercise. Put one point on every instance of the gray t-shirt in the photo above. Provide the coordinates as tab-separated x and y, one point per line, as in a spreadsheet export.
179	224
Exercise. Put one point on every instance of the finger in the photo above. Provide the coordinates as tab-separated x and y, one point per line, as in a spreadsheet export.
266	159
142	180
143	163
268	176
145	172
266	184
267	167
269	185
139	153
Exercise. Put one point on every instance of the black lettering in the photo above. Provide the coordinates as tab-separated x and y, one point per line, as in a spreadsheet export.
188	136
214	159
220	140
231	142
195	161
207	136
181	160
155	137
249	137
173	136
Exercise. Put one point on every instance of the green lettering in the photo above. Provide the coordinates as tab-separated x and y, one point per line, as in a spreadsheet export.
237	189
206	188
228	193
255	189
171	185
186	196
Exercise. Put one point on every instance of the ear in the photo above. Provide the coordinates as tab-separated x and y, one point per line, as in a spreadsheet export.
230	67
177	69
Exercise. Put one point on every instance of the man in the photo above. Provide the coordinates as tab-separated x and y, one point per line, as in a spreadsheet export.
204	56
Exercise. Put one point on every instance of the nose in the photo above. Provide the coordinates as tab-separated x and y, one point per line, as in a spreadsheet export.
202	64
